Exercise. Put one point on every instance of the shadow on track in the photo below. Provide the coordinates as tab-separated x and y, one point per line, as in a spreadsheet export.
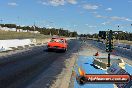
94	66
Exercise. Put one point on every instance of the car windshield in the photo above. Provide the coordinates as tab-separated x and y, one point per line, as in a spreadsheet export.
57	40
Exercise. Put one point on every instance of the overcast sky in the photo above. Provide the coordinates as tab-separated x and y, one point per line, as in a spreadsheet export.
83	16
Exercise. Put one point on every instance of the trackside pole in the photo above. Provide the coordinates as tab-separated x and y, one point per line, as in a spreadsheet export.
108	60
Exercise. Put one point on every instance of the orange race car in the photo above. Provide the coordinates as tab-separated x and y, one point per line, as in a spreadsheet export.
57	44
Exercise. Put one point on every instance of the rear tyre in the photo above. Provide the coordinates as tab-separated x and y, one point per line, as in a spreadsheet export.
65	50
49	50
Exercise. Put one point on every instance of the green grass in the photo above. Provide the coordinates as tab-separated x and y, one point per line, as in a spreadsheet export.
22	35
124	42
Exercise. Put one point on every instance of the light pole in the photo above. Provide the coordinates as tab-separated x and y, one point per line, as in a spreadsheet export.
18	19
118	34
1	22
34	29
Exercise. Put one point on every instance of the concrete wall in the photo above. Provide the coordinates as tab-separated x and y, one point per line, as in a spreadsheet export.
6	44
123	51
124	46
120	49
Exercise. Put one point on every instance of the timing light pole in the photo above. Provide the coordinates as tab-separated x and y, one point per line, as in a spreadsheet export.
108	35
110	46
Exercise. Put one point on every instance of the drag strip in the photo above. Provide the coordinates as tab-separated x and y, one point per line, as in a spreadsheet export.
18	71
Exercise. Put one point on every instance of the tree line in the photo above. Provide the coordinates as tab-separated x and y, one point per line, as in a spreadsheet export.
95	35
121	35
124	36
43	30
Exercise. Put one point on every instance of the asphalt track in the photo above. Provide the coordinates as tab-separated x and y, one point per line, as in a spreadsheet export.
21	70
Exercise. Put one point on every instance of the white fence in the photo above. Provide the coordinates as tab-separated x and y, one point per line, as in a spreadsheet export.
6	44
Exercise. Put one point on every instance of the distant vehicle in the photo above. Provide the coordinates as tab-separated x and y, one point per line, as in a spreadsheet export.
57	44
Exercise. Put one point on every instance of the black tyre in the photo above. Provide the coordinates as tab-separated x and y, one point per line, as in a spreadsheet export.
49	50
65	50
